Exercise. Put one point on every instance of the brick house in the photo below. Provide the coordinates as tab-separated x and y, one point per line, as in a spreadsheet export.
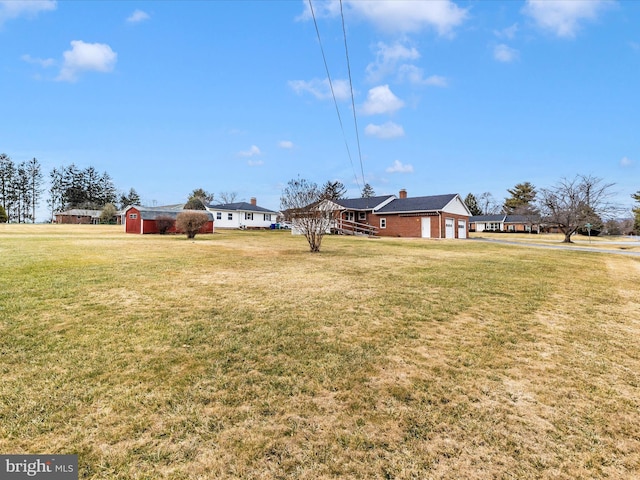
435	216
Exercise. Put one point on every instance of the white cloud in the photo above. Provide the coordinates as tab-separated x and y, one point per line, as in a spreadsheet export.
381	100
509	32
86	57
285	144
563	17
387	57
43	62
321	89
385	131
406	16
399	167
252	152
415	75
10	9
138	16
626	162
504	53
255	163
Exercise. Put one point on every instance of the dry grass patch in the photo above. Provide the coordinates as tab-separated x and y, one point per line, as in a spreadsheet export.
240	355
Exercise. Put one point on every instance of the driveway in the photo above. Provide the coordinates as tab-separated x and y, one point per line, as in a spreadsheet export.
565	246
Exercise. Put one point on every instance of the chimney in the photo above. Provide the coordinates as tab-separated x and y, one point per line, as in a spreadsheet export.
253	201
403	193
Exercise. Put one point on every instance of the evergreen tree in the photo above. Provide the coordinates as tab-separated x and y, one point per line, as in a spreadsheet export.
7	173
3	215
56	191
472	204
523	195
367	191
636	213
35	178
131	198
333	190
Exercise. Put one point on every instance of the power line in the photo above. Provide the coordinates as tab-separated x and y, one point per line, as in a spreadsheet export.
324	58
353	105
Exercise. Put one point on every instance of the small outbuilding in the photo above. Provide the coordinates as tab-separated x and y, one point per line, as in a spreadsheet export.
147	220
79	216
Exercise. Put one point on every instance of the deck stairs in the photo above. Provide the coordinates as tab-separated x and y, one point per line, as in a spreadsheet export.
349	227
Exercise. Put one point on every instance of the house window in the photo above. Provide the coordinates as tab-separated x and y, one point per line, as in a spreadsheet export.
230	216
267	217
383	223
349	216
512	228
248	216
493	226
218	215
362	215
133	216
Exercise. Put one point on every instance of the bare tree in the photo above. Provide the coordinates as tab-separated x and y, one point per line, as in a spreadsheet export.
228	197
573	203
191	222
488	204
301	202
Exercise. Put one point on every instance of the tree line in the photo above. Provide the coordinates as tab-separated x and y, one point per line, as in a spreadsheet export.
22	187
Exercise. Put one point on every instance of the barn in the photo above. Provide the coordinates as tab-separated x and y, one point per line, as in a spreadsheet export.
148	220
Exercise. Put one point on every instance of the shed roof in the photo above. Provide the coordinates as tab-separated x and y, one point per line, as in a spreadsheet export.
80	212
152	213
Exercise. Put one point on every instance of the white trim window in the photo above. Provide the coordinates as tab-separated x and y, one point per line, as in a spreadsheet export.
248	215
218	215
229	216
383	223
133	216
362	215
267	217
349	216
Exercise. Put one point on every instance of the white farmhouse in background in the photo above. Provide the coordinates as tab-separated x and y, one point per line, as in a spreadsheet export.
242	215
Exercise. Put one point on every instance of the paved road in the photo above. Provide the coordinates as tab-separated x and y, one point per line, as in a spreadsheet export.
564	246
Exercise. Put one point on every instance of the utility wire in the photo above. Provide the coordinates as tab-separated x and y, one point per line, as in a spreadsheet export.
326	67
353	104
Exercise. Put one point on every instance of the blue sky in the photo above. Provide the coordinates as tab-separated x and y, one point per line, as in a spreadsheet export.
232	96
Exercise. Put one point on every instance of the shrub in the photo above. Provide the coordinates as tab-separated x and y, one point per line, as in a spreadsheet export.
164	224
191	222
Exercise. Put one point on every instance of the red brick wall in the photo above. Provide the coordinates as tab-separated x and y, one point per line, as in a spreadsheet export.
399	226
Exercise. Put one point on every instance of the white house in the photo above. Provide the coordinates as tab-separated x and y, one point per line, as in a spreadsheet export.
242	215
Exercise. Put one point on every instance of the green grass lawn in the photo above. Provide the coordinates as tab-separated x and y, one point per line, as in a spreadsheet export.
241	355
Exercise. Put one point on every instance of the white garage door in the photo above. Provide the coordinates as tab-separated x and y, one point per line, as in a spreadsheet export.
462	229
449	226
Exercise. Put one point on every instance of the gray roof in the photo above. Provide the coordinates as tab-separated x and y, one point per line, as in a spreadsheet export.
171	211
487	218
362	203
501	217
431	203
239	207
81	212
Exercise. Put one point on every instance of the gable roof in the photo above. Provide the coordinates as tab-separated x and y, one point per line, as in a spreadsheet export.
239	207
369	203
432	203
500	217
80	212
171	211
